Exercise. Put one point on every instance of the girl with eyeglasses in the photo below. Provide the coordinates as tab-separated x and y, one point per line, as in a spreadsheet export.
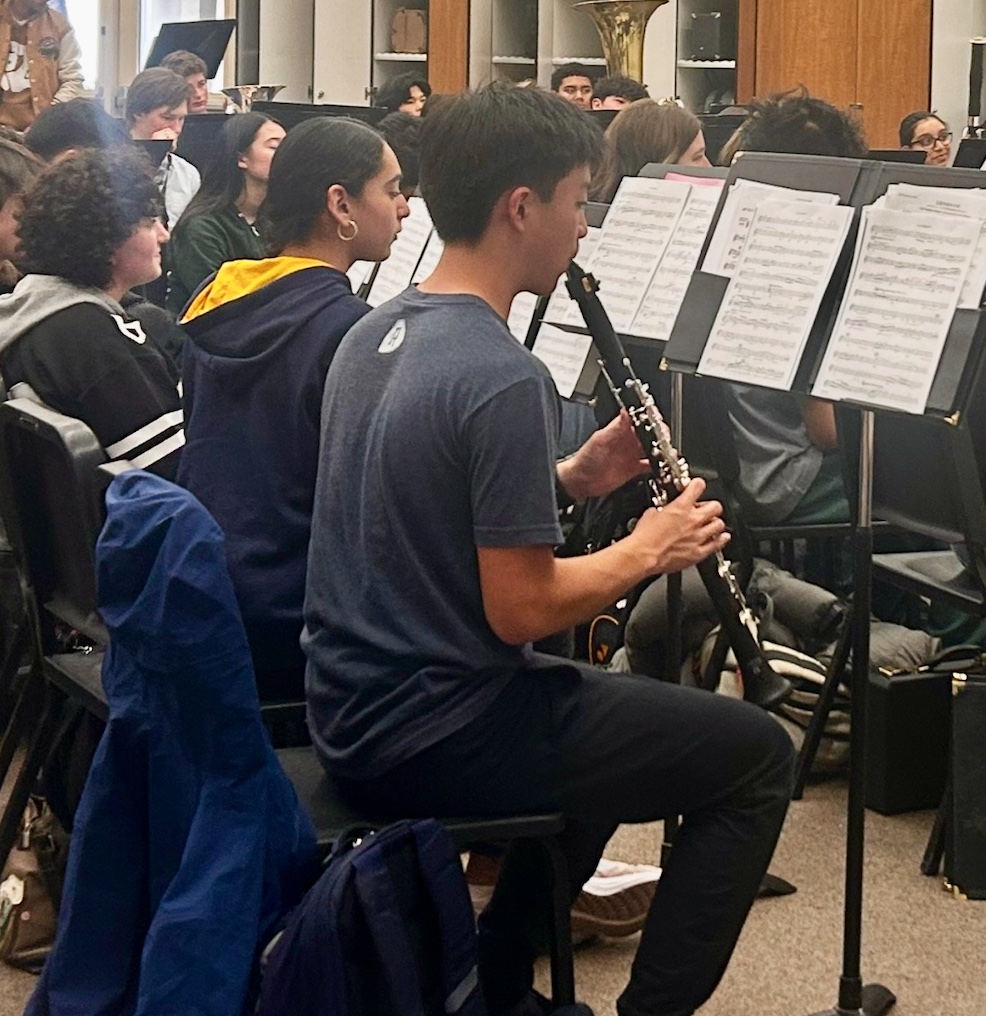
928	133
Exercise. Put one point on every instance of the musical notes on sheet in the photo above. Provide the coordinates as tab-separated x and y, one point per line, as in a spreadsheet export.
907	275
733	228
521	315
395	274
564	354
789	252
665	292
968	203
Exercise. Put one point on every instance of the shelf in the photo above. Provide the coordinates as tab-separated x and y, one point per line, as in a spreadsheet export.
526	61
724	64
589	61
402	57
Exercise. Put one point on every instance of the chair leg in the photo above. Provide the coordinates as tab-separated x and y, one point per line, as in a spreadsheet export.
24	714
562	962
38	747
820	715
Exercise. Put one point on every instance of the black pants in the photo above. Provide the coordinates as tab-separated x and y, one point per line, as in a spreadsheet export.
606	749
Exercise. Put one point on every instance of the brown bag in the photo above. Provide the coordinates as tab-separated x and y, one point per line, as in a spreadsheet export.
30	888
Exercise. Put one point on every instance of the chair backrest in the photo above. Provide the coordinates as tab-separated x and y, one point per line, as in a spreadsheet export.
51	502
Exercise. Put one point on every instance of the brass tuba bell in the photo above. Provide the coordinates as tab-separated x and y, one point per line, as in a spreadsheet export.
621	25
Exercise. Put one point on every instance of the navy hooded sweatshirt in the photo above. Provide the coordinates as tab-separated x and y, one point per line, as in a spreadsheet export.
261	335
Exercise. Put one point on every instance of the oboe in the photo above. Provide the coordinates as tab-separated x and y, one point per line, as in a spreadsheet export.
669	476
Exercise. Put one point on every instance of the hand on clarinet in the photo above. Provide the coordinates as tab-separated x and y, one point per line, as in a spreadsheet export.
682	533
609	459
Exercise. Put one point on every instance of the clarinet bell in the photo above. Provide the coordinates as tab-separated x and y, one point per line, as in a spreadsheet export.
763	686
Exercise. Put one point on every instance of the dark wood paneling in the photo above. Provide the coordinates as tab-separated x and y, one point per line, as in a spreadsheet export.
448	45
894	65
808	42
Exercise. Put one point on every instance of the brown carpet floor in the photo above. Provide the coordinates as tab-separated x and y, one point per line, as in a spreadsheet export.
924	945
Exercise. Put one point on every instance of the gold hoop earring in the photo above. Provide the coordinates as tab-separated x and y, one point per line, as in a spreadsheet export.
352	235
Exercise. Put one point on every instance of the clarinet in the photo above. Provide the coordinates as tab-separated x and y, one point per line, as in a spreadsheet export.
669	476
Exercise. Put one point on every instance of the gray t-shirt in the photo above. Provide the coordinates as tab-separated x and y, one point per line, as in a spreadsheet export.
778	462
438	435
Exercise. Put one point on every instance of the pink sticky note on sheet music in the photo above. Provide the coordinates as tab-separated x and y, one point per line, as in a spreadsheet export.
702	181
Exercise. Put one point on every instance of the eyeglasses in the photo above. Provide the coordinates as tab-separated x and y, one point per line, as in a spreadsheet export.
929	140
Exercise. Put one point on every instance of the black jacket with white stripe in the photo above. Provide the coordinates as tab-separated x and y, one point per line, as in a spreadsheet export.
98	366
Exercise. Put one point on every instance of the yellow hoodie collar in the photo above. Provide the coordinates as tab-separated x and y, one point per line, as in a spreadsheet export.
237	279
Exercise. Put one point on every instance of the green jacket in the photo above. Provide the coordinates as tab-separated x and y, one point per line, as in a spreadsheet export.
201	244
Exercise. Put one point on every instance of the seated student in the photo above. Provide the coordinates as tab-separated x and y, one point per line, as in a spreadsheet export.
67	127
89	231
19	168
926	132
403	133
260	338
193	69
617	91
647	131
789	470
157	104
574	83
432	569
219	223
405	93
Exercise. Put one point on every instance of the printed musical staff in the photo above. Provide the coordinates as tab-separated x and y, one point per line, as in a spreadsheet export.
521	315
635	235
908	272
358	273
733	228
666	290
564	354
788	255
429	259
560	302
395	274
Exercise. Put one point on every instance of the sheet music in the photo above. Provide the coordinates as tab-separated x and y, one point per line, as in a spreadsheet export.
521	314
564	354
666	290
634	237
358	273
396	272
968	203
560	302
771	302
429	259
906	278
733	227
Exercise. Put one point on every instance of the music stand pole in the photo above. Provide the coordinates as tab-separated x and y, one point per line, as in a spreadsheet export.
855	998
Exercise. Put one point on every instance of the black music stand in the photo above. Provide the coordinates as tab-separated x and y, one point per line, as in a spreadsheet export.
201	138
971	153
206	39
290	114
896	155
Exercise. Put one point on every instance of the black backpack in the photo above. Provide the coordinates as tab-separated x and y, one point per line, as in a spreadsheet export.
387	929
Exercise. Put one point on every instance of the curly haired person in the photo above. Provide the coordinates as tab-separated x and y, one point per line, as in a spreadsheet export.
90	230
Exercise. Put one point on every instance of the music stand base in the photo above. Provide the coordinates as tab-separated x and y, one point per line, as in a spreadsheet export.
877	1000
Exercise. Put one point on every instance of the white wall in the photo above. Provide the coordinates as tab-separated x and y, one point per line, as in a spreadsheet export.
954	23
660	51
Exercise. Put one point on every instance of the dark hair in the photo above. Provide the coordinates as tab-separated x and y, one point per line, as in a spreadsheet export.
78	123
19	168
185	63
646	131
395	92
480	144
81	210
316	154
797	123
571	70
910	122
403	133
618	85
222	180
152	89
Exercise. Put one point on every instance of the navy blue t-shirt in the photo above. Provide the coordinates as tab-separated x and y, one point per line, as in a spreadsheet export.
438	435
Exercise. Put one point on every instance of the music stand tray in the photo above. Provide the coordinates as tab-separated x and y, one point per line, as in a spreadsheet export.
971	153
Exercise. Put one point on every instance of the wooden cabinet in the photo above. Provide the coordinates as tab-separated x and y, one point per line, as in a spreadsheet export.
868	55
